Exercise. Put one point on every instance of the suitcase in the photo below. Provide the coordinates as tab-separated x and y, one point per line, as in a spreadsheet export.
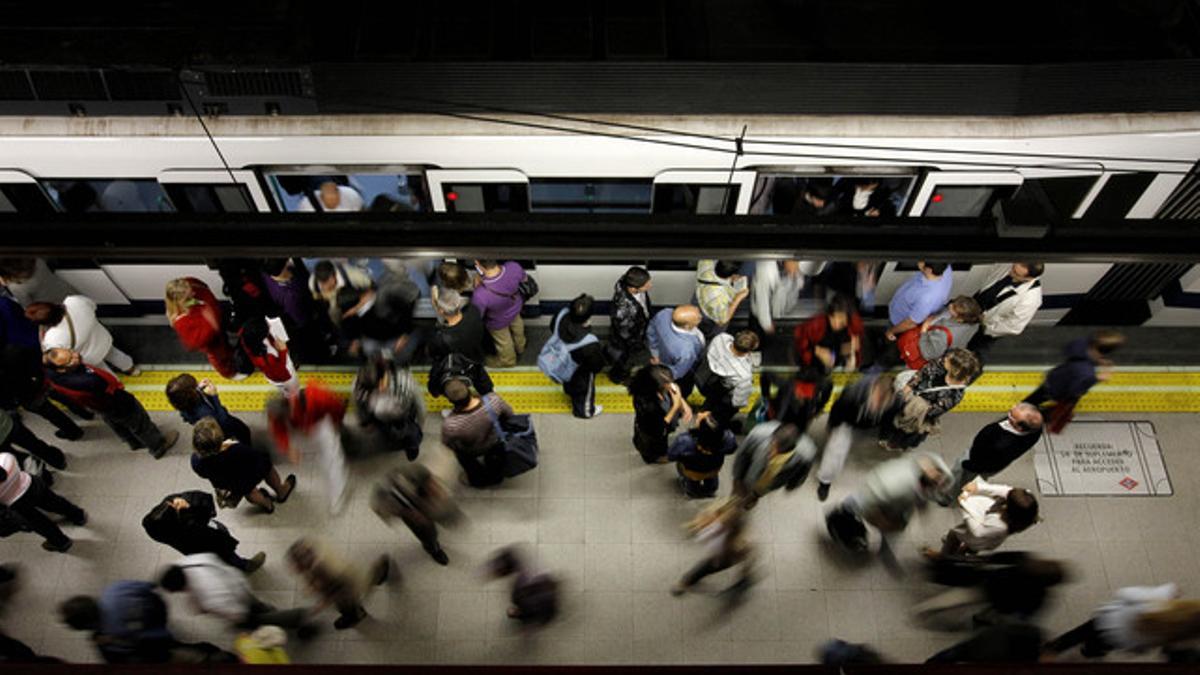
847	529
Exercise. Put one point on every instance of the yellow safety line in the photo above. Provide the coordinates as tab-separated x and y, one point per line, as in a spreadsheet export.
531	391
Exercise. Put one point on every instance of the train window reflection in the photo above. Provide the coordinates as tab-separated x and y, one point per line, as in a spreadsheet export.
140	195
350	192
486	197
864	196
24	198
210	198
680	198
592	196
961	201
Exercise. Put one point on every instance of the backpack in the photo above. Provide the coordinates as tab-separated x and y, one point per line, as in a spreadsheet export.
555	358
909	346
456	366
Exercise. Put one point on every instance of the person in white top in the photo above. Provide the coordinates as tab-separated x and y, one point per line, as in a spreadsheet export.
775	290
28	496
333	197
991	512
221	590
73	325
1137	619
1009	297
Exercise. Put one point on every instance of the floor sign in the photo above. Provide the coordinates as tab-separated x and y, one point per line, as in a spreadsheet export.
1102	458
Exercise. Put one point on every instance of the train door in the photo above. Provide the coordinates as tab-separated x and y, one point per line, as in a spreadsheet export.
214	191
703	192
478	190
962	194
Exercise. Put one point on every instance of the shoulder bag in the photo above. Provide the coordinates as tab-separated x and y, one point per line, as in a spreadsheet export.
519	439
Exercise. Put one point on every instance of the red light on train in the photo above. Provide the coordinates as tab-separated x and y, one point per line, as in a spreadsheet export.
451	196
936	198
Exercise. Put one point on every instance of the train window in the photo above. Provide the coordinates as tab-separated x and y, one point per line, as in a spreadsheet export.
210	198
1065	194
367	191
594	196
1118	195
681	198
964	201
831	195
24	198
486	197
138	195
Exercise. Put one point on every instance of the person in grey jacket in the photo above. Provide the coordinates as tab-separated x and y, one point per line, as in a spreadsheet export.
953	327
772	456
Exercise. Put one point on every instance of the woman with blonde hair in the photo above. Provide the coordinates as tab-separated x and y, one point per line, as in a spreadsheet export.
195	314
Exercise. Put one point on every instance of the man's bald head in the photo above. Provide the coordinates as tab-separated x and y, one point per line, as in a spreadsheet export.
686	317
1025	417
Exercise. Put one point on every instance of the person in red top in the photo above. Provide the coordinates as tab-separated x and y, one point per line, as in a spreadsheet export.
195	314
312	418
99	390
269	354
832	339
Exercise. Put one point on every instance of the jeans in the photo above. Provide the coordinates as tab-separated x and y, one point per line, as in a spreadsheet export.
40	498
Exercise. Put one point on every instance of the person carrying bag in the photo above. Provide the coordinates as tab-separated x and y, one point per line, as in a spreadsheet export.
517	435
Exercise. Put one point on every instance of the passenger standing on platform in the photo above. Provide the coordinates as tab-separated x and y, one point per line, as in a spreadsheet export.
416	496
99	390
460	328
861	407
1087	364
269	354
73	325
380	321
471	435
237	468
831	339
331	197
630	314
28	496
197	400
221	591
721	528
677	343
925	292
534	595
699	455
996	446
932	392
1137	619
720	290
498	298
195	315
574	356
313	418
186	521
335	580
1009	298
938	333
453	276
329	277
772	456
308	328
128	624
23	384
991	513
725	375
658	405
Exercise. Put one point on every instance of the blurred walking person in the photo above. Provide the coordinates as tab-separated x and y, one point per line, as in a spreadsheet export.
312	420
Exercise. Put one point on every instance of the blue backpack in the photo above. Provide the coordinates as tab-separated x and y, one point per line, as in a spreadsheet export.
555	358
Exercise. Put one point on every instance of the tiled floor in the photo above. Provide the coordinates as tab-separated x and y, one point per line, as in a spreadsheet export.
610	527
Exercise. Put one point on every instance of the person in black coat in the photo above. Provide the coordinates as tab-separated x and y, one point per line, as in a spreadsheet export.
995	447
237	467
1010	583
1003	643
460	328
380	321
630	312
590	358
23	384
185	522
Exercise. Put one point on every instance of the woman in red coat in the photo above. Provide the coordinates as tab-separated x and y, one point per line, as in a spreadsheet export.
195	314
832	339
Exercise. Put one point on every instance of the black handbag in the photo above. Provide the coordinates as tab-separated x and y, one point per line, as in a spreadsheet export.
519	439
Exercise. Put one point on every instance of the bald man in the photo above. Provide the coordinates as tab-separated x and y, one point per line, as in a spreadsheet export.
996	446
677	343
334	197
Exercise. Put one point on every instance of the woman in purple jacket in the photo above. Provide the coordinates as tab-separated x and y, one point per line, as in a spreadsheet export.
498	298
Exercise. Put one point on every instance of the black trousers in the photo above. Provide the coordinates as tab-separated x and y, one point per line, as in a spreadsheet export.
22	437
424	529
582	390
1086	634
130	421
483	470
625	360
51	413
981	344
39	497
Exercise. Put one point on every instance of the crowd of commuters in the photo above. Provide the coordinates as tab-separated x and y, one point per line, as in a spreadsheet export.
285	313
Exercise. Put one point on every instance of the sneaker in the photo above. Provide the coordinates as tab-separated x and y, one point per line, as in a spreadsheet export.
253	564
343	622
239	376
823	491
439	556
63	548
169	441
599	409
134	371
69	435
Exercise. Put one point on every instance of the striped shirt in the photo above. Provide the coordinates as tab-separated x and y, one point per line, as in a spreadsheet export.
17	482
471	431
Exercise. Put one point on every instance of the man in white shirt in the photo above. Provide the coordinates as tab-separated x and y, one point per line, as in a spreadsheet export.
1010	297
333	197
221	590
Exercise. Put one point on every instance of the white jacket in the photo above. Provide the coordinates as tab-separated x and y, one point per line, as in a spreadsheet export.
91	339
1014	312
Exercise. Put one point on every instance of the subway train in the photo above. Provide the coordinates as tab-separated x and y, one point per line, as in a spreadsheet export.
1110	166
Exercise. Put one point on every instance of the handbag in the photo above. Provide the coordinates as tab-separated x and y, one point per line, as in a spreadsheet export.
519	439
911	418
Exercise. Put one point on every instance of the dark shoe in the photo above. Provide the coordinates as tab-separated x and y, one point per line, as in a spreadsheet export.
439	556
412	453
83	414
69	434
291	483
169	440
57	548
53	457
81	520
254	563
343	622
822	491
